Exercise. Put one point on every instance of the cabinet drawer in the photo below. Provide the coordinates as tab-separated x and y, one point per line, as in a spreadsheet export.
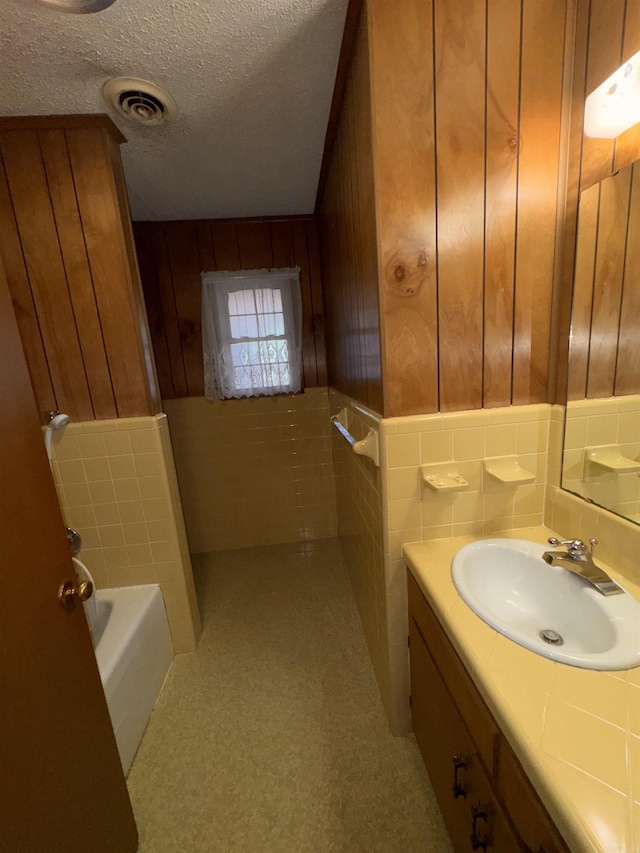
469	808
470	704
523	804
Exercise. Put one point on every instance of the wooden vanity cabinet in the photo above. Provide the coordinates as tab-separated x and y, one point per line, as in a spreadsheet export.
485	797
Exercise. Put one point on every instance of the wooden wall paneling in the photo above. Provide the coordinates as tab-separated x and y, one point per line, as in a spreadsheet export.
605	43
282	243
368	235
628	144
146	369
254	242
585	264
313	250
23	304
578	33
502	135
330	237
347	48
184	261
308	339
542	61
607	286
627	373
38	235
358	192
334	242
204	240
74	254
110	269
172	255
352	267
226	246
169	310
402	39
460	156
147	263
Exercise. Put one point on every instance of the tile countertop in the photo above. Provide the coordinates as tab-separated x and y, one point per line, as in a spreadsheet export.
575	731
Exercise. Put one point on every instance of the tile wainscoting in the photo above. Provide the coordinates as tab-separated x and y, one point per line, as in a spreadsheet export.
381	509
117	487
256	471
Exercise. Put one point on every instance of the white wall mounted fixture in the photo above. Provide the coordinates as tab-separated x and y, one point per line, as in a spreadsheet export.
507	471
443	479
614	106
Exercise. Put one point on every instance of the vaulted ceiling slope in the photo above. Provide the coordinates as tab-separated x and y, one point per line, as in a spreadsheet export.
253	80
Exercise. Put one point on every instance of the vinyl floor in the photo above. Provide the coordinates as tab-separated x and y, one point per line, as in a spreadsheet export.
271	737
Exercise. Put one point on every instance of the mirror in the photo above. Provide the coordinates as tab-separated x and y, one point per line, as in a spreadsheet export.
601	459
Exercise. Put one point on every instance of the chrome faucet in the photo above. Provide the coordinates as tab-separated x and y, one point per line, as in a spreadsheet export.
578	558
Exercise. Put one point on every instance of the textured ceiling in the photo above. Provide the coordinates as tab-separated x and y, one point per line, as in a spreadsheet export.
253	80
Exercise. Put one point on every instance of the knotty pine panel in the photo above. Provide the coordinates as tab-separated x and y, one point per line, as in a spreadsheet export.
173	254
627	373
23	302
607	283
607	34
31	201
460	75
628	143
606	22
114	270
501	193
63	239
583	291
402	39
349	242
468	99
78	272
606	312
541	91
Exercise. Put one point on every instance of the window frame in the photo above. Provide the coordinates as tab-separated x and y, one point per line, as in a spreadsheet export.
217	339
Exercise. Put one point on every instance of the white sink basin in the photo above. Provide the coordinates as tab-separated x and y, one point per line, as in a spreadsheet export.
509	586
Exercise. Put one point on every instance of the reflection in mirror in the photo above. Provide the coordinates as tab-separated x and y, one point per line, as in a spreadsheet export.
601	460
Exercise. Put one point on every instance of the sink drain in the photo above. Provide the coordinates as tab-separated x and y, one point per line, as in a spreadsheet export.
551	637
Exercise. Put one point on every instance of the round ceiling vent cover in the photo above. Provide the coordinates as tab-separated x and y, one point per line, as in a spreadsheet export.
139	100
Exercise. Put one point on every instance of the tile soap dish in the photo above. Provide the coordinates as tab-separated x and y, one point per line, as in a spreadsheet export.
507	471
610	459
443	479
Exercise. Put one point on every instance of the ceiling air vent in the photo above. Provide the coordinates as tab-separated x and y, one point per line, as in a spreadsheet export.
139	100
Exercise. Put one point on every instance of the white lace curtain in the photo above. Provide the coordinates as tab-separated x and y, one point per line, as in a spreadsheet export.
251	333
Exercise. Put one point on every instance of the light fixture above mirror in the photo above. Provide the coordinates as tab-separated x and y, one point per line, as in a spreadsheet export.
615	105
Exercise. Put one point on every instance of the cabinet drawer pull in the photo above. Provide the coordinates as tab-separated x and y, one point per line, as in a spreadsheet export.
458	787
478	842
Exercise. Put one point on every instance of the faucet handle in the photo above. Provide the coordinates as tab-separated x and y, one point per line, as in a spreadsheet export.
592	543
573	546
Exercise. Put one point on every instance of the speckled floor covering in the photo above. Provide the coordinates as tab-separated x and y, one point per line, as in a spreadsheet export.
271	738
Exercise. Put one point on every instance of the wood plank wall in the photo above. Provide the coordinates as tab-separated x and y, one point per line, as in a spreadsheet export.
64	230
467	101
607	34
349	244
173	254
606	305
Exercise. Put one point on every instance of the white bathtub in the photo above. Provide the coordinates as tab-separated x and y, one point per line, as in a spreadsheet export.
134	651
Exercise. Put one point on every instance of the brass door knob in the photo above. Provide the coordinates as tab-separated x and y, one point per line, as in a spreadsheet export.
68	592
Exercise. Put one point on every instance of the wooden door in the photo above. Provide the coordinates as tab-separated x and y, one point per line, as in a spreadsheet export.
62	785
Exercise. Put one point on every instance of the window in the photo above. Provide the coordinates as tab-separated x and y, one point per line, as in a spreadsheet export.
251	333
